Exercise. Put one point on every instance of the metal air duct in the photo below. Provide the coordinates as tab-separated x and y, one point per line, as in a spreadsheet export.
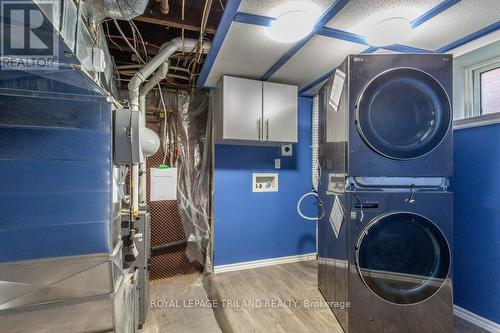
115	9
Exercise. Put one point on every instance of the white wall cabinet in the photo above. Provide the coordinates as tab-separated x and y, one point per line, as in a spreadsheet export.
279	112
255	112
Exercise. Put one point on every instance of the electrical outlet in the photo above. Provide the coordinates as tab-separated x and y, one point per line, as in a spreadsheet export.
286	150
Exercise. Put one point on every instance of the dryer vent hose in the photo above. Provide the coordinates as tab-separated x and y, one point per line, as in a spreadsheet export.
315	172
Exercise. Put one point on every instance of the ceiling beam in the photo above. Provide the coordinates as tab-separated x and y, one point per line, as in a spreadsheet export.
172	24
433	12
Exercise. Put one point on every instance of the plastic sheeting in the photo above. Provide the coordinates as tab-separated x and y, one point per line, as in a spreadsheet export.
194	131
185	131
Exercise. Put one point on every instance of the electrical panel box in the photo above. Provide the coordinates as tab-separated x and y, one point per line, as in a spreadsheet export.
265	182
126	141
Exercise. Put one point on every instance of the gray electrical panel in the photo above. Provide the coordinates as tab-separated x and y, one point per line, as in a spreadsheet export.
126	144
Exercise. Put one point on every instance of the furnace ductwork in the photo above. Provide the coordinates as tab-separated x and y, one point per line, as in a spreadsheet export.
116	9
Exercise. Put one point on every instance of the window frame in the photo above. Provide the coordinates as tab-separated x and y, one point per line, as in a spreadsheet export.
473	88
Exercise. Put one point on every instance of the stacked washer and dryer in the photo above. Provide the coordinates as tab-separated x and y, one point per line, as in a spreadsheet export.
385	232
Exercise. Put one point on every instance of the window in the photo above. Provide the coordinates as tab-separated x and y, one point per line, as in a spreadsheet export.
490	91
483	89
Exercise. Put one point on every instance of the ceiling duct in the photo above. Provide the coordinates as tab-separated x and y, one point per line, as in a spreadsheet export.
116	9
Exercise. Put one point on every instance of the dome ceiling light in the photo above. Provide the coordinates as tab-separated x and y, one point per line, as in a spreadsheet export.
294	21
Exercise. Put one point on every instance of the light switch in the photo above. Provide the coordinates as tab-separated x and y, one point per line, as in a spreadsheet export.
277	163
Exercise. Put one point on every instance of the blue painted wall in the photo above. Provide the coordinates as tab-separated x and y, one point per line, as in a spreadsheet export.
252	226
477	220
55	174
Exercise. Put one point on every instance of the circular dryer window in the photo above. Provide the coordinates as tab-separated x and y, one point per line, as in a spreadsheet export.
403	258
403	113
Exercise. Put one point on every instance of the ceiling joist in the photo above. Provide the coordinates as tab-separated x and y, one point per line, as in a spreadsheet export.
173	24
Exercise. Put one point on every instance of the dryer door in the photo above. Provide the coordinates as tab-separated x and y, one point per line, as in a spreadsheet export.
403	257
403	113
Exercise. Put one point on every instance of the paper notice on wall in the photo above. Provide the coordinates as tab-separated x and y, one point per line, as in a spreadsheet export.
337	87
163	184
337	216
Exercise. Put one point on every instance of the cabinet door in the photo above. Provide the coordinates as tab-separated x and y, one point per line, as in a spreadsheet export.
280	112
242	118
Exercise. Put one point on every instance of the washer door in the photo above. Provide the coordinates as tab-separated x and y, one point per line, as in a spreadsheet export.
403	113
403	258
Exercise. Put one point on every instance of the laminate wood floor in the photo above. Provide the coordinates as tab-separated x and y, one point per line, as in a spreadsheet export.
287	282
232	310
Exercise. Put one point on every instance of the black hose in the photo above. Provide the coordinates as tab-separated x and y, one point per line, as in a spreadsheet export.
168	245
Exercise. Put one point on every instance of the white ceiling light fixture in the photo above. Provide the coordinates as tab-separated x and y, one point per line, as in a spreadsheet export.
390	31
294	21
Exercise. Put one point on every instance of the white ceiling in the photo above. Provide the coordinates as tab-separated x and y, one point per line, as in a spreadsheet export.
247	51
458	21
307	64
358	16
264	7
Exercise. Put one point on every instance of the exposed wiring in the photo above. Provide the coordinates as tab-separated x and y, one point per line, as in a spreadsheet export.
134	27
164	125
127	41
108	35
111	37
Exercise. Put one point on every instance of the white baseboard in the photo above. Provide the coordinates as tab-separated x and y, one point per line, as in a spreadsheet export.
476	320
263	263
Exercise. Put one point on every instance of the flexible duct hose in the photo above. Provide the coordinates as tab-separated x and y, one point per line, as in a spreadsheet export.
315	173
315	143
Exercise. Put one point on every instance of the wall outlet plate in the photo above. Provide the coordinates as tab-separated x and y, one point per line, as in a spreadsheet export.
287	150
265	182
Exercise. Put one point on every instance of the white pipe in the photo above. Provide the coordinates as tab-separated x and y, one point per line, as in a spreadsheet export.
134	92
143	91
149	85
134	188
165	52
315	218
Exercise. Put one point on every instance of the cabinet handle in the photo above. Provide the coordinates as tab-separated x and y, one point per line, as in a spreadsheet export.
258	127
267	129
